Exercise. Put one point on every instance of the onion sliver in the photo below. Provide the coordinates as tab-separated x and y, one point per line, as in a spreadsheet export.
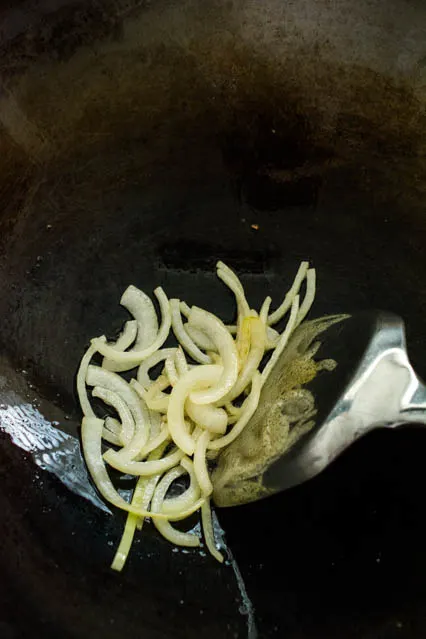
141	307
133	356
97	376
200	465
209	417
309	296
199	377
154	359
127	423
202	340
248	409
124	341
206	520
142	496
291	294
143	468
181	363
91	437
218	332
81	382
285	336
175	505
252	363
183	337
165	528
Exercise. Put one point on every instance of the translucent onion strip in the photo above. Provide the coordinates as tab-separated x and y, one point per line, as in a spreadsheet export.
209	417
200	464
164	527
127	423
174	505
201	340
143	371
285	336
309	296
141	307
206	520
136	357
288	300
143	468
81	383
141	499
199	377
124	341
97	376
217	331
183	337
252	363
247	412
91	437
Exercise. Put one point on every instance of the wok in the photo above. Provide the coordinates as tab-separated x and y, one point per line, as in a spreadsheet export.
140	142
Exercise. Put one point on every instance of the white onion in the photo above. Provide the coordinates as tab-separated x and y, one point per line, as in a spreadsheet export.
183	337
217	331
136	357
198	377
291	294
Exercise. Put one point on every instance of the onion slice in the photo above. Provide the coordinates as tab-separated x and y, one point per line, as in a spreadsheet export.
198	377
91	437
291	294
218	332
135	440
247	412
183	337
136	357
164	527
200	464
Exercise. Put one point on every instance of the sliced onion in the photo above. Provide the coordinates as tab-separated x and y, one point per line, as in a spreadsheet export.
208	417
91	437
288	300
233	283
285	336
200	465
141	307
124	341
309	296
198	377
143	468
97	376
136	357
127	423
202	340
181	363
252	363
264	311
183	337
170	370
154	397
206	519
143	372
81	383
175	505
247	412
142	496
165	528
217	331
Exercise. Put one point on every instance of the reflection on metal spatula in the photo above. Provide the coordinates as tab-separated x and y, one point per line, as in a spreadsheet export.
336	381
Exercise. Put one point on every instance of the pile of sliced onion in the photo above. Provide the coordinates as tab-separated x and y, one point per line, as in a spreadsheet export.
162	429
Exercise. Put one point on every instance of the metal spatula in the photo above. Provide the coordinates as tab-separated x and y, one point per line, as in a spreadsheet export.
338	379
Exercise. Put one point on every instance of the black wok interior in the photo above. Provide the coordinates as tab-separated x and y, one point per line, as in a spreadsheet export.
139	144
